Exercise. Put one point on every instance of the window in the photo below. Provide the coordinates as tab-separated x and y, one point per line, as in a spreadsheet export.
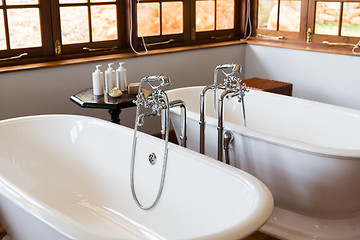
40	30
177	22
279	19
161	22
21	29
334	22
88	25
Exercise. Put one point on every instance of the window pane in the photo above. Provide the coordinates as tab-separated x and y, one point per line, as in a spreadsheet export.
351	19
21	2
74	24
267	14
148	19
72	1
24	27
103	20
172	17
290	15
327	18
2	31
205	16
225	14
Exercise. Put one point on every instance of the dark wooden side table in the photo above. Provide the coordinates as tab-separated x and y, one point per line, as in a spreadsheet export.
87	99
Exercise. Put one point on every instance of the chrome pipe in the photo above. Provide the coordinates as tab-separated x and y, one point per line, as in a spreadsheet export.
202	116
220	126
228	138
182	105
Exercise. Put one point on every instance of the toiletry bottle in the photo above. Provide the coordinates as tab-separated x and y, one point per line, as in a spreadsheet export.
109	78
98	81
121	80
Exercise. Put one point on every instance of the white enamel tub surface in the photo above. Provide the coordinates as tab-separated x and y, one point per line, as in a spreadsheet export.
307	153
68	177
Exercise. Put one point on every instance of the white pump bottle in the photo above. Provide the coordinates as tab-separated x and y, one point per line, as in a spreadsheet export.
109	78
98	81
121	80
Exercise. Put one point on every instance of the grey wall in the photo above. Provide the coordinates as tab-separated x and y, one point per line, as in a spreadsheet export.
47	91
323	77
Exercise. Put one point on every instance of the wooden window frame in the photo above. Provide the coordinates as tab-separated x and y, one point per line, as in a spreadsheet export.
178	39
45	31
51	32
306	39
282	35
190	36
319	38
77	48
221	35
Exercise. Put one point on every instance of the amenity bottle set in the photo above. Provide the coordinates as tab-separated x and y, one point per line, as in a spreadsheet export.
113	78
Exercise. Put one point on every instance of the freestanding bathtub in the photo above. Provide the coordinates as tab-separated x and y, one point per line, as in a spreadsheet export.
68	177
307	153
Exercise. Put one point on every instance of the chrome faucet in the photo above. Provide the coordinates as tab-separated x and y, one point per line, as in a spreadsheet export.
159	104
232	88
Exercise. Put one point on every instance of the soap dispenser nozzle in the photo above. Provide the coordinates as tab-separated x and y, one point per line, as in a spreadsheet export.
110	64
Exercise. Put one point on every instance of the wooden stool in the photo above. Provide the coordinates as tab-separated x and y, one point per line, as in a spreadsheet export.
268	85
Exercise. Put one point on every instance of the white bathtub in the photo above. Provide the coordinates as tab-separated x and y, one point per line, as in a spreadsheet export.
68	177
307	153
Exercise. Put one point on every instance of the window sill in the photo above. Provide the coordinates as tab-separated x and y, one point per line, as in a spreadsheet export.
312	47
57	63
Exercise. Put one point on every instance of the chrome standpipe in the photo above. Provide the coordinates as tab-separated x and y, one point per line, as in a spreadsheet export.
158	102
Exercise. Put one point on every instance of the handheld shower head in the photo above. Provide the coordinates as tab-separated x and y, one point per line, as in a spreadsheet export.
235	68
164	81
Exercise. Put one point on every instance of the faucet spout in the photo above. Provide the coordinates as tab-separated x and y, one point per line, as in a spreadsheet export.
140	119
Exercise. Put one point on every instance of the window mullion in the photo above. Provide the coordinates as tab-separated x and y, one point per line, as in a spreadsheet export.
161	17
278	16
55	24
7	34
215	15
340	18
89	21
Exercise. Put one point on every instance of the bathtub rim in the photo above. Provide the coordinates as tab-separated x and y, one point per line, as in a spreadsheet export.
58	221
318	150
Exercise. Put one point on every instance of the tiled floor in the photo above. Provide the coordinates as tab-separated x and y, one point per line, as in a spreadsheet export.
260	236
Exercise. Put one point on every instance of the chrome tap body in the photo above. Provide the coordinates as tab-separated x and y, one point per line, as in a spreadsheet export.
159	103
232	88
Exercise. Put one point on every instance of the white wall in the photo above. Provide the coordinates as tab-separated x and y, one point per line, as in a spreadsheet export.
321	77
46	91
